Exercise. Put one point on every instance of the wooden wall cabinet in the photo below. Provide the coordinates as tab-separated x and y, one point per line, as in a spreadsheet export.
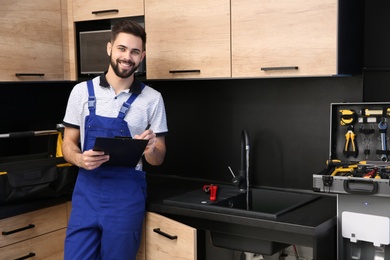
268	38
87	10
284	38
187	39
38	235
31	46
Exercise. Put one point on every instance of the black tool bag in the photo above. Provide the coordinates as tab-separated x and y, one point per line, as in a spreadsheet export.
38	175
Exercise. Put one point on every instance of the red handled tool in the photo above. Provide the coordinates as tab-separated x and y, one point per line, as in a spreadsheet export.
212	189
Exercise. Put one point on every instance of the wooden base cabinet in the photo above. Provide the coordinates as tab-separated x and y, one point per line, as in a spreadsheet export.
38	234
165	238
50	246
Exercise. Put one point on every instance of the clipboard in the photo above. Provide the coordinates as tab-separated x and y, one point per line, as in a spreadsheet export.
124	152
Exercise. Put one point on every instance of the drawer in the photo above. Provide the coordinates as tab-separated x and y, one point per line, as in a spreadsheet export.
32	224
49	246
86	10
169	239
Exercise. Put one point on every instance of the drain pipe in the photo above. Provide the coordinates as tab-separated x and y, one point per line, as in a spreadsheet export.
252	256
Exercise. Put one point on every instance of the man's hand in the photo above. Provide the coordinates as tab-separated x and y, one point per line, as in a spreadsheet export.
148	135
155	150
91	159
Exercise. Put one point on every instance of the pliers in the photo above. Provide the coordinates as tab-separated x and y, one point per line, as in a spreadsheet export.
350	143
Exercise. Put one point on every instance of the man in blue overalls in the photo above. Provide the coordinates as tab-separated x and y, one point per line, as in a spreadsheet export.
108	203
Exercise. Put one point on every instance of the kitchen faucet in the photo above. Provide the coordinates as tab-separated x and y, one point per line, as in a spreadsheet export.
244	165
242	180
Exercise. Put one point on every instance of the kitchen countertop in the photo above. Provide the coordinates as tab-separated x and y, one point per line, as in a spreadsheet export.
10	210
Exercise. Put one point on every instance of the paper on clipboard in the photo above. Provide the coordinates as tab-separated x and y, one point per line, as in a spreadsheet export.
124	152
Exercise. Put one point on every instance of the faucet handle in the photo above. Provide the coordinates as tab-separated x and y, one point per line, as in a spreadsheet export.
238	180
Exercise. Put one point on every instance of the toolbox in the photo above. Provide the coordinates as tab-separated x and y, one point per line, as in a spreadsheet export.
35	175
359	150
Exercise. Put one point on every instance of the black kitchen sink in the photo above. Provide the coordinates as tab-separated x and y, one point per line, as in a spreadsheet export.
258	203
270	203
267	203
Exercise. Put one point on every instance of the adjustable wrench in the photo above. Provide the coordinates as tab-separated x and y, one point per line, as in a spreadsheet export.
383	129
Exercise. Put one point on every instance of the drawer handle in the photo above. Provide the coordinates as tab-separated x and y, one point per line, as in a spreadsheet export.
158	231
6	233
184	71
29	74
105	11
26	256
280	68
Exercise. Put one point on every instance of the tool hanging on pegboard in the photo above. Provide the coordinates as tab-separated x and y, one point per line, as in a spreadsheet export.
367	138
382	141
347	118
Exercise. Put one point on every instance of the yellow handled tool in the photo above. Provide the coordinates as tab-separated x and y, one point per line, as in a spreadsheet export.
347	116
340	169
350	148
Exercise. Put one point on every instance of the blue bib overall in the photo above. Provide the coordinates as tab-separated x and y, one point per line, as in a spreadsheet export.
108	203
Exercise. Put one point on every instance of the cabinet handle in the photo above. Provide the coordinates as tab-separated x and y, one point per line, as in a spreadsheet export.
6	233
26	256
184	71
29	74
280	68
158	231
105	11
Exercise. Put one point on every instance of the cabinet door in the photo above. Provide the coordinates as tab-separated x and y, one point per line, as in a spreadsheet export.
32	224
85	10
31	40
169	239
284	38
187	39
49	246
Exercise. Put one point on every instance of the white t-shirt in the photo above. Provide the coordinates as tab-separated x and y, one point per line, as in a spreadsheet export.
147	108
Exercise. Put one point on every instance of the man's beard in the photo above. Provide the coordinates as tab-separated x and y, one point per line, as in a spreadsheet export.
124	73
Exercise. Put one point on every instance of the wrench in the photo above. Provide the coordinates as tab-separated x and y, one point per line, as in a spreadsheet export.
383	129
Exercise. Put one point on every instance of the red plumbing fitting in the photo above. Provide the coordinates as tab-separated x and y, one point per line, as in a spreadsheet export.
212	189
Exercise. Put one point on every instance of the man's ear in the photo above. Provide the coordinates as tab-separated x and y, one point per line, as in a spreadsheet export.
109	48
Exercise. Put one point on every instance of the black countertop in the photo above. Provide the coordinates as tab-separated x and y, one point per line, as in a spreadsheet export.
13	209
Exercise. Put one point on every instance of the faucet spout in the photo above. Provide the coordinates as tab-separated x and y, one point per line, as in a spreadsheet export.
244	163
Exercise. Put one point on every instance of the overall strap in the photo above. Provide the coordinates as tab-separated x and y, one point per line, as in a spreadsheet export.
91	98
126	105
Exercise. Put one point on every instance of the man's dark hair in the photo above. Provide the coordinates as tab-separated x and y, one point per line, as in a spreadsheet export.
131	27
